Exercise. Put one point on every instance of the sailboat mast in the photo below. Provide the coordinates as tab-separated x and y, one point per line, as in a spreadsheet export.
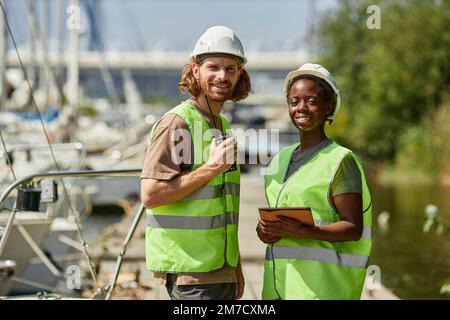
73	55
3	49
42	45
44	79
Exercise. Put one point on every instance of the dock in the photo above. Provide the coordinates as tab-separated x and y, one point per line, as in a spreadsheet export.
136	282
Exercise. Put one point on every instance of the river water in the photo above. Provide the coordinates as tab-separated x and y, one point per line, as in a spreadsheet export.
414	264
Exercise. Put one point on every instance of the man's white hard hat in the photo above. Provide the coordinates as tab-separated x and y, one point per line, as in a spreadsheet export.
316	70
220	40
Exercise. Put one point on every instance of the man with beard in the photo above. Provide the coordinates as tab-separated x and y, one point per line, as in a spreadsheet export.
190	178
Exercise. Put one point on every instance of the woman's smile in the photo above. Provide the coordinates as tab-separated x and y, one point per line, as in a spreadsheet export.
302	118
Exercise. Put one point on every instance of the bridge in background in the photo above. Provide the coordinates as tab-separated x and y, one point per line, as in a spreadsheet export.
157	73
157	60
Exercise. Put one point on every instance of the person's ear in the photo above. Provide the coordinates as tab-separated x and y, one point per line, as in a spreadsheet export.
329	109
196	71
241	71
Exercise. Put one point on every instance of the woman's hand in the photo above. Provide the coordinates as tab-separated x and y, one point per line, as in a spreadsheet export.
263	237
349	228
282	227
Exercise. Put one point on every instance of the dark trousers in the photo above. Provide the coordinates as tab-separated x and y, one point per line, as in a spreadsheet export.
216	291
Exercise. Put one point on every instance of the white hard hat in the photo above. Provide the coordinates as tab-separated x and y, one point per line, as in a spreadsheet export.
219	39
316	70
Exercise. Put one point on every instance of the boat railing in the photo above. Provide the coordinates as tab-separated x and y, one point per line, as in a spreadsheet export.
48	175
28	148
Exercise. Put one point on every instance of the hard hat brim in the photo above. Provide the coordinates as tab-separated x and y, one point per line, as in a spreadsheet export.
297	73
241	60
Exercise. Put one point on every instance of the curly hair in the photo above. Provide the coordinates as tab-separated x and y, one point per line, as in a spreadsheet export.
190	84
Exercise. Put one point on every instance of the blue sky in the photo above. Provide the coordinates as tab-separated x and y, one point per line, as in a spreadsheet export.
176	24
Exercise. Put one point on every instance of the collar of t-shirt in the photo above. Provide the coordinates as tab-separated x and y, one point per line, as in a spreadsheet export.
206	115
301	158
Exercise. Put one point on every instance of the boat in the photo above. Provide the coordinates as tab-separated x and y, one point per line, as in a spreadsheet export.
32	241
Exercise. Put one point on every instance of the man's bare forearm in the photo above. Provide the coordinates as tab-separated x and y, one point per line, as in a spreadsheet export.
156	193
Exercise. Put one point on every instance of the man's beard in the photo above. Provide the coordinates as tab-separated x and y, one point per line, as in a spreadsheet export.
207	89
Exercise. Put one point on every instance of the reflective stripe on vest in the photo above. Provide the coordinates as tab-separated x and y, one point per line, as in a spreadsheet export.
192	222
212	192
318	254
366	233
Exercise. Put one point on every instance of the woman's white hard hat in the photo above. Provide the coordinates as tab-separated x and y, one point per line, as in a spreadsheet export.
316	70
220	40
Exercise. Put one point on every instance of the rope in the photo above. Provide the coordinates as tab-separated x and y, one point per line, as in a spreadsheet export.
8	160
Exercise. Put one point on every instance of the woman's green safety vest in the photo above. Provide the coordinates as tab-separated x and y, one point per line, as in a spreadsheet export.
200	232
306	268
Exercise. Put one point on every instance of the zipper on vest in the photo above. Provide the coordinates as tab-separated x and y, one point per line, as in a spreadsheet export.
224	196
284	178
276	205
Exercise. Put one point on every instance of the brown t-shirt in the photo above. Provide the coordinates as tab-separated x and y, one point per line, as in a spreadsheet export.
161	164
171	133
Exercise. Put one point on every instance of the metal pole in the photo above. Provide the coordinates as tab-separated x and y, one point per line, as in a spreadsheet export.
3	51
41	43
31	46
130	234
44	79
61	27
53	269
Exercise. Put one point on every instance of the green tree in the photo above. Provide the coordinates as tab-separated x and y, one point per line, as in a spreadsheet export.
390	78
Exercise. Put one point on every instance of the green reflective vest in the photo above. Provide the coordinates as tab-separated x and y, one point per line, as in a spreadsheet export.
306	268
200	232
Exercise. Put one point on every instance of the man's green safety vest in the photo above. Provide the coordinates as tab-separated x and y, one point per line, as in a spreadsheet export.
306	268
200	232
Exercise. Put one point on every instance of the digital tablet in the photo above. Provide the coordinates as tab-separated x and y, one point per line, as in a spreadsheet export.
304	215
